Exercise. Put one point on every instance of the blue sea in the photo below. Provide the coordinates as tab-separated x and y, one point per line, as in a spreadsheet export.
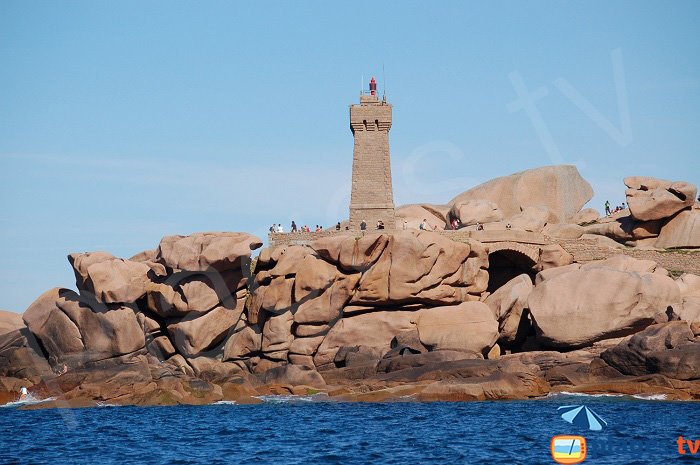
286	430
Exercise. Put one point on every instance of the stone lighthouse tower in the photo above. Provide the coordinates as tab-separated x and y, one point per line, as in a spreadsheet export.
372	198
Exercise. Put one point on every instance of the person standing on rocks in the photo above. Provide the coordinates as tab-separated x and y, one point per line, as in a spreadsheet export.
363	225
337	226
294	226
607	208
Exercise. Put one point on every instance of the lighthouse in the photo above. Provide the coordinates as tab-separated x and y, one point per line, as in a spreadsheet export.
372	197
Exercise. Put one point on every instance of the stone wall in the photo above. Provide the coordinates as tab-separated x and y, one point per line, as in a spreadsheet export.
583	250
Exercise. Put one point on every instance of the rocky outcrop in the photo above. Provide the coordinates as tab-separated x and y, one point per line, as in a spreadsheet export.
413	215
598	301
112	280
681	231
476	211
76	330
10	321
344	299
220	251
655	199
560	189
364	317
467	327
688	309
669	349
509	304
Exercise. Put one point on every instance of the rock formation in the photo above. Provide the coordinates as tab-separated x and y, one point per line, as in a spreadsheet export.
380	315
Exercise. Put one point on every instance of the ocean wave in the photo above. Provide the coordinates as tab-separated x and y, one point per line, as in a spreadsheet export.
225	402
651	396
581	394
105	404
616	395
28	401
283	399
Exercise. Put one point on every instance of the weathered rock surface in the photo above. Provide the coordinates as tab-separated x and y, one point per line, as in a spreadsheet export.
75	330
196	334
560	188
366	318
655	199
476	211
586	215
508	304
689	307
10	321
599	301
375	330
413	216
467	327
109	279
669	349
220	251
681	231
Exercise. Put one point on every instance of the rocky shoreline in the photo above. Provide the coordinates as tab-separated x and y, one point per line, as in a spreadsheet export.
381	315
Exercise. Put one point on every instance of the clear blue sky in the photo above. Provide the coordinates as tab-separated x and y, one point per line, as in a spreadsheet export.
121	122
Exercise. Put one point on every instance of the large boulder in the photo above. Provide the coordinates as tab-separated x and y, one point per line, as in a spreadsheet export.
586	215
625	228
424	267
553	256
654	199
533	218
185	292
689	308
401	268
682	231
668	349
110	279
508	303
243	343
21	356
195	334
579	307
467	327
476	211
219	251
560	188
375	330
74	329
413	215
10	321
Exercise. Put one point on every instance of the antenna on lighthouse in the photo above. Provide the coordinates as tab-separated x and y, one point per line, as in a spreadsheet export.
383	84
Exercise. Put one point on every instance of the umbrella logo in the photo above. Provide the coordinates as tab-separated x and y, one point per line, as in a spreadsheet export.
583	417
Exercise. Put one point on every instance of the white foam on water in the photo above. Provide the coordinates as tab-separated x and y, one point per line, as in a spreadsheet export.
283	399
105	404
225	402
651	396
581	394
30	400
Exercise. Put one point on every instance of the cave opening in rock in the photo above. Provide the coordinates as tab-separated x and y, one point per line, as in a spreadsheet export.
505	265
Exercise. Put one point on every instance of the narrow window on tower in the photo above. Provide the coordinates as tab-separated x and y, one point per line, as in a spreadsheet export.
364	122
376	124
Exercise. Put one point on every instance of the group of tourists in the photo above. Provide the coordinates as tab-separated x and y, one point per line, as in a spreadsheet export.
618	208
278	228
363	225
